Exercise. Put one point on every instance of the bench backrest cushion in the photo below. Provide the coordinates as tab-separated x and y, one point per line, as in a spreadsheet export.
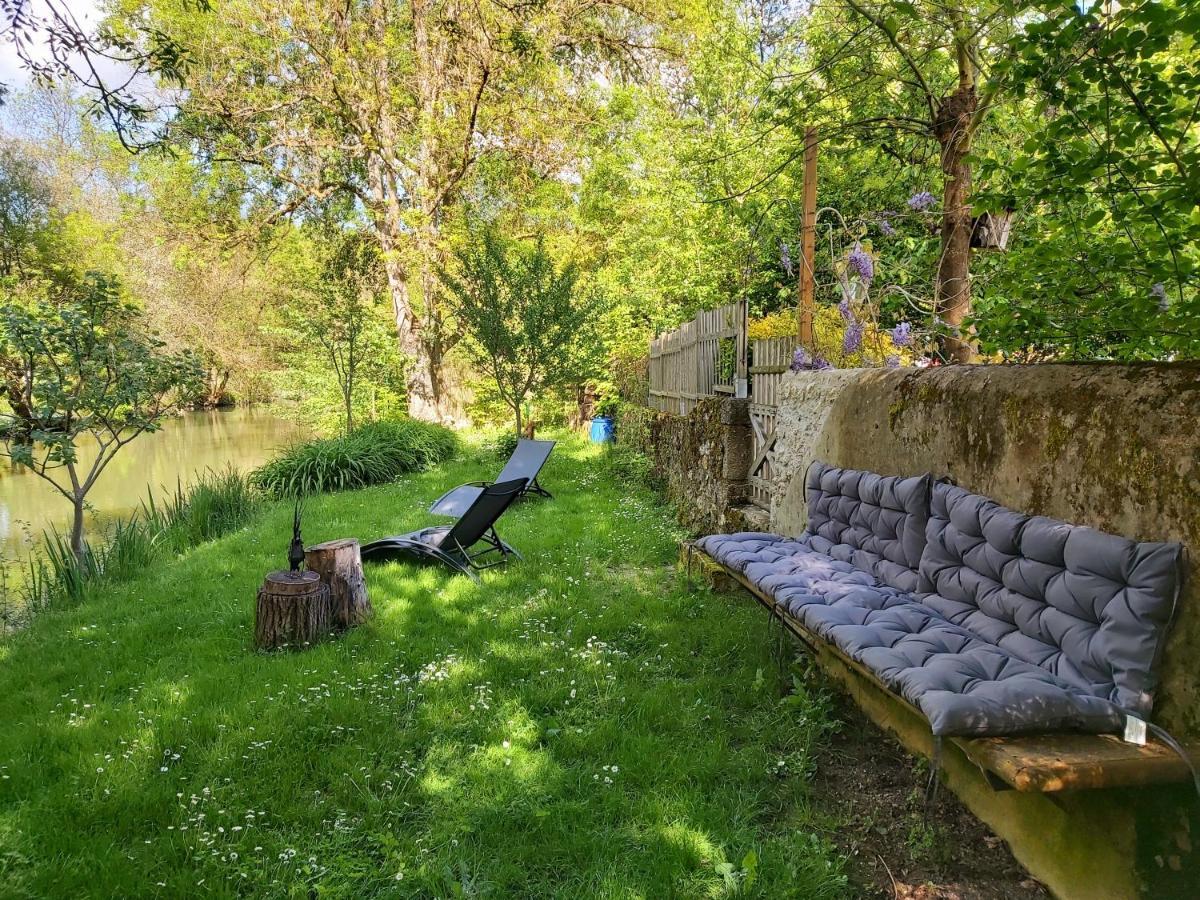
874	522
1092	608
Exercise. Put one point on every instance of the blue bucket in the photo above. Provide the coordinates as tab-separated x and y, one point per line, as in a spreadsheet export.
601	431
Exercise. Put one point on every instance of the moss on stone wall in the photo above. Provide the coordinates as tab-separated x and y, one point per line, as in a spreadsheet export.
692	457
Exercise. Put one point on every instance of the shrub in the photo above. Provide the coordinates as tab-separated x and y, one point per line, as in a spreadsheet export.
608	406
373	454
626	465
216	504
504	445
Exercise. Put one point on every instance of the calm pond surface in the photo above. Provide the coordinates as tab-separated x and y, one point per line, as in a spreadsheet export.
183	449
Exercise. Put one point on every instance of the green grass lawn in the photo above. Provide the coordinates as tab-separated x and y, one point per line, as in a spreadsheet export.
582	724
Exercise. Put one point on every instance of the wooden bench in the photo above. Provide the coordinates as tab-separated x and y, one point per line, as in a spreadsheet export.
1044	764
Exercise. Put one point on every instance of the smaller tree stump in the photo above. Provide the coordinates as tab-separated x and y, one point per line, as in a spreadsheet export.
293	609
339	563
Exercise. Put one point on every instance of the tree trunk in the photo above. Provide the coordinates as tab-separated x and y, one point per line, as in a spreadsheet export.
585	405
293	610
339	565
517	410
426	396
952	289
215	382
78	547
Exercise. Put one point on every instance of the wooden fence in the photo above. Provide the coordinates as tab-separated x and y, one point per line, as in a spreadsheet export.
701	358
769	359
709	356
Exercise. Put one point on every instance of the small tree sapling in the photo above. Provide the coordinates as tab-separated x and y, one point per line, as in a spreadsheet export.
531	324
80	374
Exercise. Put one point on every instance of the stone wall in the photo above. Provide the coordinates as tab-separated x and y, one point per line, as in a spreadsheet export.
701	458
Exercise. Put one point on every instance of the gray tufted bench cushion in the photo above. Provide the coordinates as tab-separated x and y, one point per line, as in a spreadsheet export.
1012	624
1090	609
876	522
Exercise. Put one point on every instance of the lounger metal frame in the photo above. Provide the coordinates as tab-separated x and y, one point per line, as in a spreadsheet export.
451	552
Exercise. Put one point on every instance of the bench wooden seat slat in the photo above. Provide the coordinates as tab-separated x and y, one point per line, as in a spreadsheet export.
1030	763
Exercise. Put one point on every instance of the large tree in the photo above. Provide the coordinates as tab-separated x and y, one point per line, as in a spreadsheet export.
394	105
904	77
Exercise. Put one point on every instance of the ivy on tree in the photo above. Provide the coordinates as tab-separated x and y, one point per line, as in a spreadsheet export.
531	325
82	380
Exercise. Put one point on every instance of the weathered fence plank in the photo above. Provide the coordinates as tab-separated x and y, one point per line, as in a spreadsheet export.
769	359
687	364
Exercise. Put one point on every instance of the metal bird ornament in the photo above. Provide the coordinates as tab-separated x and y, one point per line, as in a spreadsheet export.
296	548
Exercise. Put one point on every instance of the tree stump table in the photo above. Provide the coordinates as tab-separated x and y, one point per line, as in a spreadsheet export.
294	609
339	563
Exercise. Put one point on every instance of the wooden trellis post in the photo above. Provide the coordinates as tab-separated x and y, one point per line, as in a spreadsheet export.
808	239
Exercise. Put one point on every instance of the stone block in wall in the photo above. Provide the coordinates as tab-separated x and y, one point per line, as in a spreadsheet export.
702	458
735	411
737	452
730	494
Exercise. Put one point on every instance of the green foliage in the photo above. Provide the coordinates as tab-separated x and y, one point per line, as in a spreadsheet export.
608	406
26	213
378	453
631	375
1106	171
505	444
215	504
531	327
339	336
627	465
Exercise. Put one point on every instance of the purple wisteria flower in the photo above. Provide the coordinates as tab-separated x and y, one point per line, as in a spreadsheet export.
886	229
860	261
892	361
1159	293
846	311
785	259
852	339
921	201
803	361
902	335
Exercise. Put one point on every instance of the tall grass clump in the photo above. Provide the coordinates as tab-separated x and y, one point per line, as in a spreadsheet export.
215	504
373	454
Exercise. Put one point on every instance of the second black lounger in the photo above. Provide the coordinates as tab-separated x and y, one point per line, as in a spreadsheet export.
526	462
451	544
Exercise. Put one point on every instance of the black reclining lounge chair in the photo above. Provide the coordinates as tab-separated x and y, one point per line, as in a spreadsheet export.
526	462
451	544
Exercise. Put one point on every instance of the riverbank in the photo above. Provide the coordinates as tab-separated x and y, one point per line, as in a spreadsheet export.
154	464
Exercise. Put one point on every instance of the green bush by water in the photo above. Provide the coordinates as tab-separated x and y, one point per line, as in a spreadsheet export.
373	454
504	444
220	502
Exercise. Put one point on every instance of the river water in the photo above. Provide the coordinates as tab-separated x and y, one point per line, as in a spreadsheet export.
184	448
